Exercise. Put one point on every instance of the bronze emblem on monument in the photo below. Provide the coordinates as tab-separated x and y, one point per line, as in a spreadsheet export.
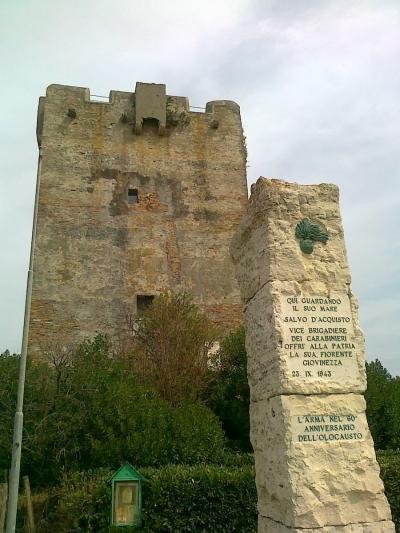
308	232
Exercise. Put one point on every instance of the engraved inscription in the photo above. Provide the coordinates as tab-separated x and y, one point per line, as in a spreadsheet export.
318	336
328	428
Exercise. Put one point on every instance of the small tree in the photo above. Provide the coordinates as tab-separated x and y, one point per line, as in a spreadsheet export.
394	413
376	397
88	410
229	395
171	346
383	406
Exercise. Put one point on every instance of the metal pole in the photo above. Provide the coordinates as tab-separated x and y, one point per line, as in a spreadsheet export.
18	420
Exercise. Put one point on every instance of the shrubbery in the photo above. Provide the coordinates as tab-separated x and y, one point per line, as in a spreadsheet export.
383	406
202	498
156	403
92	412
170	347
228	394
176	498
389	462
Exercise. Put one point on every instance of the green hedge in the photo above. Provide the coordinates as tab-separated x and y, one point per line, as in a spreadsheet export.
203	498
176	498
389	462
200	499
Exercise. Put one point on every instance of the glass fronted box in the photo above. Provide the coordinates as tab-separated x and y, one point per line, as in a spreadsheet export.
126	486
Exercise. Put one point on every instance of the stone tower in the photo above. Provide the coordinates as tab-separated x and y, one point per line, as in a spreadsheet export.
137	195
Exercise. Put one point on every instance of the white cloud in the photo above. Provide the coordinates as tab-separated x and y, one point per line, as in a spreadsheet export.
318	83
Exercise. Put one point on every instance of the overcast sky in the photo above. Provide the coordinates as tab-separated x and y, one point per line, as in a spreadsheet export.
318	83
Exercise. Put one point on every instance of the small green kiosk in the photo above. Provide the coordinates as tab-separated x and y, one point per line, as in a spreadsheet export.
126	497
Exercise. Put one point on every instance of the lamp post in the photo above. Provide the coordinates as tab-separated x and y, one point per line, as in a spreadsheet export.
19	417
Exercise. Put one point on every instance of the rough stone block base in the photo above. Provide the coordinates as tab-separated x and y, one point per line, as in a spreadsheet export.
320	472
315	462
266	525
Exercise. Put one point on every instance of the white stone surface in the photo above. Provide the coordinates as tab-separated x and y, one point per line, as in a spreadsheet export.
273	371
318	337
265	525
327	476
265	249
316	468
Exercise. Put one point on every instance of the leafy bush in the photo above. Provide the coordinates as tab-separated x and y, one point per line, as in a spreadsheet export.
389	462
90	412
170	347
383	406
228	395
39	391
178	498
200	498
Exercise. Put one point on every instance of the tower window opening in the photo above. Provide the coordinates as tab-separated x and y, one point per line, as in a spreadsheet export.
133	196
150	123
143	302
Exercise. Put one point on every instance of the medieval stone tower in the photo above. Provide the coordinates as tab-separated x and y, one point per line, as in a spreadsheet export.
136	195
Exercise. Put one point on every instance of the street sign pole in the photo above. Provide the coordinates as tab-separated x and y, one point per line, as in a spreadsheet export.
19	417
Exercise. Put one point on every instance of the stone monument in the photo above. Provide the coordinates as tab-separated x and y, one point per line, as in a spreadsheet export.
315	462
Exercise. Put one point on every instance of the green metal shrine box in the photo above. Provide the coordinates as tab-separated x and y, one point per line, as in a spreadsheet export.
126	497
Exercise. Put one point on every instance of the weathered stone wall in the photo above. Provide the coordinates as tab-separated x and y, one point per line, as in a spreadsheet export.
315	462
95	251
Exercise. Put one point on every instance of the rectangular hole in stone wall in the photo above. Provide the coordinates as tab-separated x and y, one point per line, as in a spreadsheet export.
151	124
99	99
143	302
133	196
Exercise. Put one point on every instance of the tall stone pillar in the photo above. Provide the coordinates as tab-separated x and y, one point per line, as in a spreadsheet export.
315	462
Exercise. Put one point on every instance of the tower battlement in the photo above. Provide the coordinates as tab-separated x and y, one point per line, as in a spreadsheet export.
138	194
148	99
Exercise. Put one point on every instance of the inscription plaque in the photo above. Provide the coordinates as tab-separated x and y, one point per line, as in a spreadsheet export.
318	336
327	428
